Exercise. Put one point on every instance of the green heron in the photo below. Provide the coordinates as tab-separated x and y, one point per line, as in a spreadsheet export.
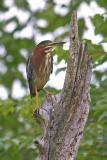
40	65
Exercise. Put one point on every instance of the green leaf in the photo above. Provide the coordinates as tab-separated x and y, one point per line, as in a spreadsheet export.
100	23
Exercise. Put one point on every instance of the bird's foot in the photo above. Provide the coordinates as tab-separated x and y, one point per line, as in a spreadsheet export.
47	93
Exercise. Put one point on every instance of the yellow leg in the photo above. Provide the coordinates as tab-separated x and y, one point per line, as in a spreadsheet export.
37	100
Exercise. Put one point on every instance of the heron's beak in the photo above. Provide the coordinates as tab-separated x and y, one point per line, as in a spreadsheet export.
56	43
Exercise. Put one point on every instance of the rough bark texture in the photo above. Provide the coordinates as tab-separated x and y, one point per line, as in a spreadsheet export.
65	114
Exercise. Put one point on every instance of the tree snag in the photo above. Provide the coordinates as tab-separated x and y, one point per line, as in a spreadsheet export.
65	114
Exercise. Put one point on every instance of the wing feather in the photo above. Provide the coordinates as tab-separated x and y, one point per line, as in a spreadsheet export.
29	71
51	63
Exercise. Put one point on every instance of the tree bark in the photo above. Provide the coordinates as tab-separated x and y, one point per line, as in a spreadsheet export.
66	113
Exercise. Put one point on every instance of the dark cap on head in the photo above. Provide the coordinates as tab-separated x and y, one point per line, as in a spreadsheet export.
45	42
50	43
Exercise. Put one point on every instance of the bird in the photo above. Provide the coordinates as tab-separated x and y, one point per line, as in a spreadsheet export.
40	65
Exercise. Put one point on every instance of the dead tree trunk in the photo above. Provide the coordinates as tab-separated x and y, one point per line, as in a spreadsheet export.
66	113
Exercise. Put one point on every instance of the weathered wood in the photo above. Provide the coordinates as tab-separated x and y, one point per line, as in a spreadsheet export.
65	114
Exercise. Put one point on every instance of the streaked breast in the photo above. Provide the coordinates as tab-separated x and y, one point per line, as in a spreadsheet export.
45	69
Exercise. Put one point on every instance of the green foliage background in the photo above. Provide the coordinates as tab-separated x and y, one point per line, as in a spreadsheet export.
18	129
